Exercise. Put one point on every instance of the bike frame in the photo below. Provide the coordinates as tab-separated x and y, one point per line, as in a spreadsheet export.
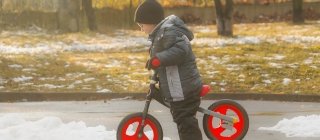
228	121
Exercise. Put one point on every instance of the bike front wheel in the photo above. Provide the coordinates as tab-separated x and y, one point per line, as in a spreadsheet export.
214	128
130	125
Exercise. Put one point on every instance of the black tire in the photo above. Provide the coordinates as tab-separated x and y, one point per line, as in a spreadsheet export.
135	117
243	121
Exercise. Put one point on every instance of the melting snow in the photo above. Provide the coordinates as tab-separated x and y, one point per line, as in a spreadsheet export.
15	127
302	126
99	42
104	91
267	81
286	81
22	79
16	66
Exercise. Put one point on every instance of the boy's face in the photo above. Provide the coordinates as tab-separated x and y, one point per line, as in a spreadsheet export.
147	28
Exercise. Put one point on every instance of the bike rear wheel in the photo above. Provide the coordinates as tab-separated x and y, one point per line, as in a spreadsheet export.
129	126
213	126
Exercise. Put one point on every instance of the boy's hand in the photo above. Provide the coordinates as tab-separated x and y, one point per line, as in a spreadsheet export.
153	63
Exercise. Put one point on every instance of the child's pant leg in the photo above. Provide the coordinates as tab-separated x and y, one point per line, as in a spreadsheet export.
183	113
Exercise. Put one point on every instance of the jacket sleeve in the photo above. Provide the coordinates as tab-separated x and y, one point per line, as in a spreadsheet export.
176	47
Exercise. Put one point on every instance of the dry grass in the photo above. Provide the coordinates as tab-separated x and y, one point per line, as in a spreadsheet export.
283	68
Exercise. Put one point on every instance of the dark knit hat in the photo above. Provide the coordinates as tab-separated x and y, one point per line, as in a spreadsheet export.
149	12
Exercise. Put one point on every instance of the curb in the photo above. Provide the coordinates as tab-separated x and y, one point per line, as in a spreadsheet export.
24	97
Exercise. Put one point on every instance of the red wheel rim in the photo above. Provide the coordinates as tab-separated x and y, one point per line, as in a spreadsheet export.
134	136
217	131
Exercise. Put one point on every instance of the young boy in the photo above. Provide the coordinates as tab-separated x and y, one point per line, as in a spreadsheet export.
172	57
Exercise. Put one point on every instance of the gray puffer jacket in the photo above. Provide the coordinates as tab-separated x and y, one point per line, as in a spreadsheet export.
178	73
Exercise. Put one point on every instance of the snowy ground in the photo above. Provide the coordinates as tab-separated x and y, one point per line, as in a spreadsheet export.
98	120
101	43
15	127
104	63
302	126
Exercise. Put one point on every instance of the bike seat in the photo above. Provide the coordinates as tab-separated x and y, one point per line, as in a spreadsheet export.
205	90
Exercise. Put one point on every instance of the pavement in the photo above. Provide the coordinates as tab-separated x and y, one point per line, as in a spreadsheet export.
85	96
110	112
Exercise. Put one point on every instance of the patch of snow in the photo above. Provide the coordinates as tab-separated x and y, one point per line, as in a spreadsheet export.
22	79
300	39
124	98
61	79
315	54
223	83
308	61
279	57
35	49
276	65
293	65
302	126
46	78
14	127
213	83
242	76
28	69
71	86
75	75
26	84
286	81
213	42
104	91
223	89
113	64
15	66
214	58
78	82
204	30
233	67
315	67
2	81
212	72
267	81
50	86
89	79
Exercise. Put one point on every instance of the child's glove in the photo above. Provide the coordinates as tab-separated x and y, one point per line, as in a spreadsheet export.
153	63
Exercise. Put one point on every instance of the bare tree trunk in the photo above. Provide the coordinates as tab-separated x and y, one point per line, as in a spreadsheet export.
205	3
91	18
297	16
224	17
131	13
68	15
1	15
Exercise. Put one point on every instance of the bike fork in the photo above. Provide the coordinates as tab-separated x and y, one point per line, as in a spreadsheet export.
144	116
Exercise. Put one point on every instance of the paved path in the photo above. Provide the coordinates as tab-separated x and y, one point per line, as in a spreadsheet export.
109	113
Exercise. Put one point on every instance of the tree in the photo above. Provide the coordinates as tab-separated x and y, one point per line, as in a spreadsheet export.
68	15
224	17
297	16
89	11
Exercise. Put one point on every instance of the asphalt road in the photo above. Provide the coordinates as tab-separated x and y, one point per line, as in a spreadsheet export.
109	113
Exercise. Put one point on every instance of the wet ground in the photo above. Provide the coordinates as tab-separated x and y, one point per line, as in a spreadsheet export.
109	113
